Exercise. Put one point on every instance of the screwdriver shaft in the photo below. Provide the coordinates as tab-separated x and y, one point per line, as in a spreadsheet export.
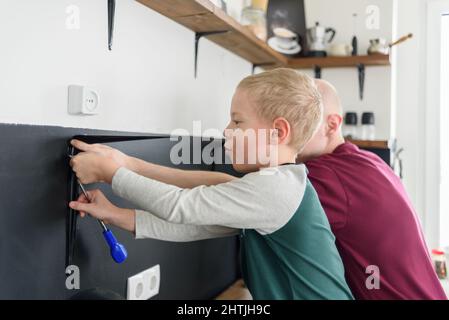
88	199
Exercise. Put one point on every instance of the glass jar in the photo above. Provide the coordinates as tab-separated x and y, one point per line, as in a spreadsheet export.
368	126
255	20
439	260
350	127
260	4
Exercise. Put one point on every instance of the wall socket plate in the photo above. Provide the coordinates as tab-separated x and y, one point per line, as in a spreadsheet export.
83	100
144	285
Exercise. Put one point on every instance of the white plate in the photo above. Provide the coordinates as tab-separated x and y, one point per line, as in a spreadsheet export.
272	42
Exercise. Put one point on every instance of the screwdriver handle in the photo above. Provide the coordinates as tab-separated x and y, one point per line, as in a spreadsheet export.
118	251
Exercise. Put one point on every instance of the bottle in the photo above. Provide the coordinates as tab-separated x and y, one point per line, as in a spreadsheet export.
350	128
254	18
439	260
368	126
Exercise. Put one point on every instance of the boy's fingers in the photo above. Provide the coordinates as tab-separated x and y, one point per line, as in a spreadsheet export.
94	194
101	146
79	206
81	145
82	198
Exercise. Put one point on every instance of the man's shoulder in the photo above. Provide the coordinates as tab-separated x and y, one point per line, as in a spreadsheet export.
323	165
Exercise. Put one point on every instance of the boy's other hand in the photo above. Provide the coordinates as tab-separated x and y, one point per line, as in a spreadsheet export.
96	162
101	208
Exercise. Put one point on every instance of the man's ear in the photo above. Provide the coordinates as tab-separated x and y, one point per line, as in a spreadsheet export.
283	130
333	122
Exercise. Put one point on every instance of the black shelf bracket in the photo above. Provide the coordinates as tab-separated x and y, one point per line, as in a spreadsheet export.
111	16
317	70
198	36
256	65
73	188
361	70
71	222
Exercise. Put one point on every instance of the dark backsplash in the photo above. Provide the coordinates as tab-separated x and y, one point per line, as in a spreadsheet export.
33	210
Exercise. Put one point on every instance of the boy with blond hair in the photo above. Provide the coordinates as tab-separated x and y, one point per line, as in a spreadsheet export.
288	250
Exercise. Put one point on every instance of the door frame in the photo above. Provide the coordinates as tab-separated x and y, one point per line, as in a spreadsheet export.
432	165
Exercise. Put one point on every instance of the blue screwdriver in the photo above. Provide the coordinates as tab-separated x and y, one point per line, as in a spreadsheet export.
118	251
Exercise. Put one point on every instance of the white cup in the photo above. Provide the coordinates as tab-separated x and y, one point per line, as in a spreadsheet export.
286	39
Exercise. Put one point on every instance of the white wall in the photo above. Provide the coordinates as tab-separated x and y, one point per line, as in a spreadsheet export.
146	83
338	15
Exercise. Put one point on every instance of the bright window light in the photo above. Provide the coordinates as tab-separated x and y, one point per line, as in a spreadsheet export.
444	134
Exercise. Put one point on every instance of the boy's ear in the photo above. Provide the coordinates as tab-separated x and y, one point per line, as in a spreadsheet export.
282	130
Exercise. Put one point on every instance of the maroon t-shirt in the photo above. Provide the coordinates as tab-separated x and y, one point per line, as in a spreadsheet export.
375	225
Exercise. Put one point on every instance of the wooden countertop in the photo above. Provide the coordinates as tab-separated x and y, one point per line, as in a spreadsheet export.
237	291
376	144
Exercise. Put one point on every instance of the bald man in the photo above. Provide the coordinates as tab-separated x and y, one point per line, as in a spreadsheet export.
377	231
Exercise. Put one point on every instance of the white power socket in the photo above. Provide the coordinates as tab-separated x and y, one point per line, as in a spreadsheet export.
83	100
144	285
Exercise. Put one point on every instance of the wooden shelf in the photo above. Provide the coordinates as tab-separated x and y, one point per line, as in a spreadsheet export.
203	16
339	62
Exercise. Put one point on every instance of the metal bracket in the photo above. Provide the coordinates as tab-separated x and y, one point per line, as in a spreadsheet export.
111	15
198	36
72	217
256	65
317	72
73	188
361	70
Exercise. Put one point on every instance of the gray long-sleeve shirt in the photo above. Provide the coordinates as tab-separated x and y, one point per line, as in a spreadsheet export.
288	250
264	201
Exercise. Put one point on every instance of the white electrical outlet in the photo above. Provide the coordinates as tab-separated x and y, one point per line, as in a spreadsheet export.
144	285
83	100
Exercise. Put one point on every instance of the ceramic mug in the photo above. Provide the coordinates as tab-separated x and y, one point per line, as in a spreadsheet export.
340	50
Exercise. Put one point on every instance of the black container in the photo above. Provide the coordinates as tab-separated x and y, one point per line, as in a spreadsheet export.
368	118
351	118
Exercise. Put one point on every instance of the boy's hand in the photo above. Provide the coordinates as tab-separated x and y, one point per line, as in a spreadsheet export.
101	208
97	163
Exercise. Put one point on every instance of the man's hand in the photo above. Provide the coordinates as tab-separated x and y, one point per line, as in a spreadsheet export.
98	206
97	163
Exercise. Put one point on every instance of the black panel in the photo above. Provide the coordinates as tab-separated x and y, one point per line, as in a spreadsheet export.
33	210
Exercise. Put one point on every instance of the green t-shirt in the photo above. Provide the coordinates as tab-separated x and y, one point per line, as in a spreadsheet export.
297	262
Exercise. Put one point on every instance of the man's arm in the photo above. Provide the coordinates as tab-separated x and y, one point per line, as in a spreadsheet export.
186	179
